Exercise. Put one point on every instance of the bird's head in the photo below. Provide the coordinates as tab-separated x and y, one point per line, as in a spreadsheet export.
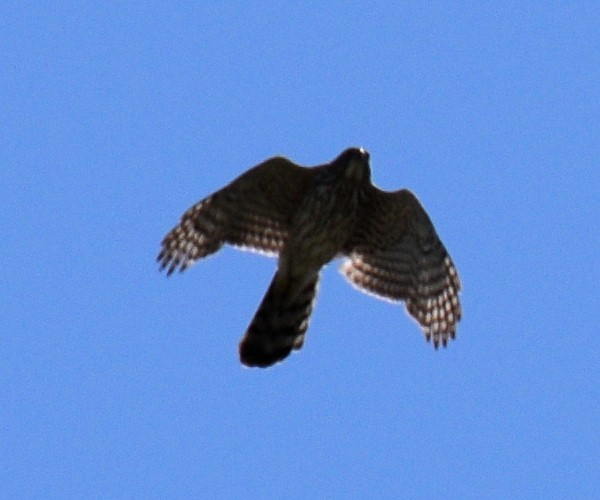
354	164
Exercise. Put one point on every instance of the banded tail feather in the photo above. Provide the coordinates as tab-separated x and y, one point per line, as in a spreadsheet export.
280	323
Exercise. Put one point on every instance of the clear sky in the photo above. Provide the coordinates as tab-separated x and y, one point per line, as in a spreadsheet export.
118	382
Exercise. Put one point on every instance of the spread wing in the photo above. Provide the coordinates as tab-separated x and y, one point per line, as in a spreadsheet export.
253	211
395	253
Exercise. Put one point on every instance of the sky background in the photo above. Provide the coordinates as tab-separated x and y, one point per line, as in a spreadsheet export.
119	382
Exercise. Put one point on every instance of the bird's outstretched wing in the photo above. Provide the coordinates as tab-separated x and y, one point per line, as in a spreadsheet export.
395	253
253	211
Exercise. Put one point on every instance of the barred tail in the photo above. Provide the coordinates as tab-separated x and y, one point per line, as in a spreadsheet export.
280	323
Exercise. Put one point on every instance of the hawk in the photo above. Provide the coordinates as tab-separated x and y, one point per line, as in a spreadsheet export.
308	216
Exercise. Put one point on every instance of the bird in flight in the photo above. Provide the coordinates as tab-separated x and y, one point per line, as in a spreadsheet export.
308	216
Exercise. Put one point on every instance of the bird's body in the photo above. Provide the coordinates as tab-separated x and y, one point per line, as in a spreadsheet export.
308	217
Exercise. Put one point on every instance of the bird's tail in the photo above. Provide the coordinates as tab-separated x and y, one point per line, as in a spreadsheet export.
281	321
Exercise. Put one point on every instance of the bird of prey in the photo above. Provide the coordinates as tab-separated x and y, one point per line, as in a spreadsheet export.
308	216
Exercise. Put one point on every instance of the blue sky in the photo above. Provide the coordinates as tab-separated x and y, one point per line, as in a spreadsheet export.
119	382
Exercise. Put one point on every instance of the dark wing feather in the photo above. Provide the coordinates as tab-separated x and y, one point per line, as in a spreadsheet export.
253	211
396	253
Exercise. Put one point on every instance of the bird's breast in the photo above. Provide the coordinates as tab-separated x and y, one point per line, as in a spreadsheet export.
323	223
